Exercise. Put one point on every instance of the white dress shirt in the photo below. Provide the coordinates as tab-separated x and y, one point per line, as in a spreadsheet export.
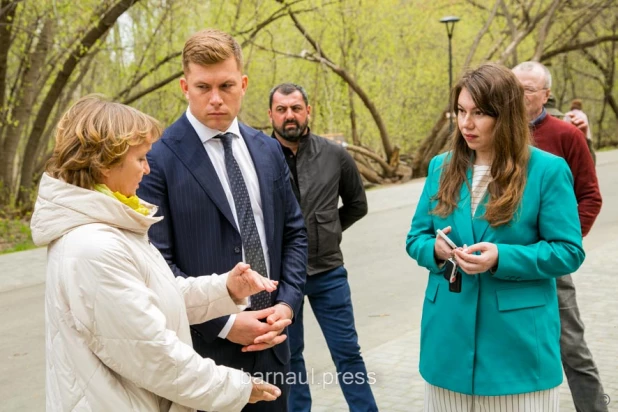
214	149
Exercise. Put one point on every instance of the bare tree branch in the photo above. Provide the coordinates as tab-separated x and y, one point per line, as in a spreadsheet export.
373	156
152	88
578	46
544	30
481	33
322	58
137	80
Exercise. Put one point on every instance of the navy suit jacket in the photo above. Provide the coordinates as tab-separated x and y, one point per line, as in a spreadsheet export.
198	235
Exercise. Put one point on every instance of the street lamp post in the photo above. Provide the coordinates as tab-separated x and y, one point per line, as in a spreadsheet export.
450	21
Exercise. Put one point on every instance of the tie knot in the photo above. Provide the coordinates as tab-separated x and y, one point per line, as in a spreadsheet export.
226	139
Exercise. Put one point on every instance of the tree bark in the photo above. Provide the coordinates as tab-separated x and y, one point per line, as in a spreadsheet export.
373	156
7	14
355	137
55	90
24	100
431	145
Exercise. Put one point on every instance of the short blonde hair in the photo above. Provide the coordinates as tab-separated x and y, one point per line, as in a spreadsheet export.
94	135
210	46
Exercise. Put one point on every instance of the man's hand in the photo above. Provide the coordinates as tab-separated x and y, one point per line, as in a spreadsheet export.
243	282
248	326
262	391
473	264
278	321
579	122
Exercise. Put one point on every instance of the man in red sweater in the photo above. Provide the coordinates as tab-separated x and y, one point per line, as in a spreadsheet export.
567	141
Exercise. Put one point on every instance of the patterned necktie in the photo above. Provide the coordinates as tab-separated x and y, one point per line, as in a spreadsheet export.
254	253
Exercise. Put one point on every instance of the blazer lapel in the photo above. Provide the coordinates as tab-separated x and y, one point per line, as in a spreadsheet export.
479	223
463	214
190	150
265	178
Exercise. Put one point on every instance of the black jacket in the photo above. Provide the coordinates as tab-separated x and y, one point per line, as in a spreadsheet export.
324	172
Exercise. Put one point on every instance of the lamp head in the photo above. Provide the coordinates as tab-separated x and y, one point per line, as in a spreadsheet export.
450	24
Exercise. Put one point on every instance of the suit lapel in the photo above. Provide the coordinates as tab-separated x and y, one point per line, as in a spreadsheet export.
190	150
257	150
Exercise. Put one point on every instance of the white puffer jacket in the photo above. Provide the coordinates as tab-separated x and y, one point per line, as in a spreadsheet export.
117	320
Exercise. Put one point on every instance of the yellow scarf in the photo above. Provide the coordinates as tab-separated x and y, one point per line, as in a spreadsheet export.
132	202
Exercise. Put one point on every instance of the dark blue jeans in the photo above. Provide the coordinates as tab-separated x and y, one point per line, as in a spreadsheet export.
331	302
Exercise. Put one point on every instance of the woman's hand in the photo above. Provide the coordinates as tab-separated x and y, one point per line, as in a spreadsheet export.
473	264
263	391
441	250
243	282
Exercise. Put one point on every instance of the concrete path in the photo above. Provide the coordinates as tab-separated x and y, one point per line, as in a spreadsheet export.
388	292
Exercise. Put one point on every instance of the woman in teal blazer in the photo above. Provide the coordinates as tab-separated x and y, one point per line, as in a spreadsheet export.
511	210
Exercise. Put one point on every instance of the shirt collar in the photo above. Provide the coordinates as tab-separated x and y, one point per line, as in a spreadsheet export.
205	133
540	118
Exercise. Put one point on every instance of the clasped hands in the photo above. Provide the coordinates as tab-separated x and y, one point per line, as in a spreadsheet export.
260	329
249	330
466	257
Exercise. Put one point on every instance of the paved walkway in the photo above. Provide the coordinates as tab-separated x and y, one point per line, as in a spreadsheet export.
399	386
388	292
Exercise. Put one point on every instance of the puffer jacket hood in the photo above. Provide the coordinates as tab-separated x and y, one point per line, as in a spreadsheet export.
61	207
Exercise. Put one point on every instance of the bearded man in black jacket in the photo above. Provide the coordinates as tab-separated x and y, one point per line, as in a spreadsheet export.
322	172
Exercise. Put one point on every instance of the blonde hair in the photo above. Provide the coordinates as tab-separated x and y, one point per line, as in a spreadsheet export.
210	46
94	135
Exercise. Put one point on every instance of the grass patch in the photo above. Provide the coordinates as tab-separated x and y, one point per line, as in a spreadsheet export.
15	235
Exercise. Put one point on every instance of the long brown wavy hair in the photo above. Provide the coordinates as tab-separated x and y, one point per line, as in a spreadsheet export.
497	93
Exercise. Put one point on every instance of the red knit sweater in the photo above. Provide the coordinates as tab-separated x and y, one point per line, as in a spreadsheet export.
567	141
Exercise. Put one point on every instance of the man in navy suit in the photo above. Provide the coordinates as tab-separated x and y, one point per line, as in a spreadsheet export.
224	191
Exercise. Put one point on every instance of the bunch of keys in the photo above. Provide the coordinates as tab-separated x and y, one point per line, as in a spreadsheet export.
452	275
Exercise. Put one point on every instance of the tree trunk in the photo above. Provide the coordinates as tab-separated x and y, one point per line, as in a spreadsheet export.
355	138
25	98
431	145
7	14
75	56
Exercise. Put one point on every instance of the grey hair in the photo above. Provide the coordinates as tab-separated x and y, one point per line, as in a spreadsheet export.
530	66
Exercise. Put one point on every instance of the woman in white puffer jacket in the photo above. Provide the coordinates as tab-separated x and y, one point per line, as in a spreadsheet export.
117	320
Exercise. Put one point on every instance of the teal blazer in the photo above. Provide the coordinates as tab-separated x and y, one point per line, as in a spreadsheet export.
501	334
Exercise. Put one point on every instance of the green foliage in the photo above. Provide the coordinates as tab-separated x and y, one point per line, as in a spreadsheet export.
14	236
396	50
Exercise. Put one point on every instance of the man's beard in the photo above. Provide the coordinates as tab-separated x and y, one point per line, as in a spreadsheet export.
292	135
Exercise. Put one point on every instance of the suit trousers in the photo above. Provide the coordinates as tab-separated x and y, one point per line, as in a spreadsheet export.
579	367
331	301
